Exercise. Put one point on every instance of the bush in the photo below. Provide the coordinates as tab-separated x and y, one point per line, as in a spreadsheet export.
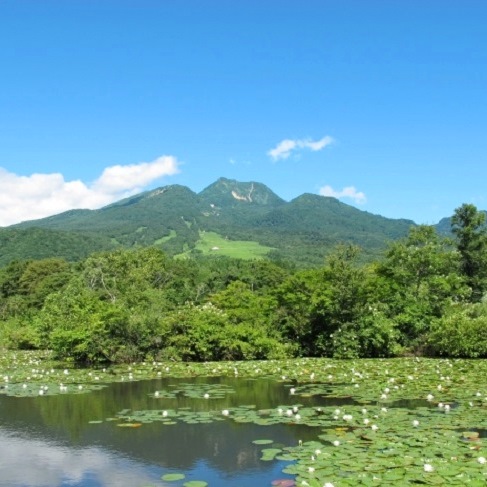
375	336
19	334
205	333
461	333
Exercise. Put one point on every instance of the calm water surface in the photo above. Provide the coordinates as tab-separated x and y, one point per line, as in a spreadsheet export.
49	442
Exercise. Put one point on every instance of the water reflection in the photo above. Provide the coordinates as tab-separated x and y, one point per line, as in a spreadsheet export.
42	463
49	441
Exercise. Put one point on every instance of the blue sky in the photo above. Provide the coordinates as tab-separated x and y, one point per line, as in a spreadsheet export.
380	103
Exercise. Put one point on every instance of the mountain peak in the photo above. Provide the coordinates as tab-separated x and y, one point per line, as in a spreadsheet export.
229	192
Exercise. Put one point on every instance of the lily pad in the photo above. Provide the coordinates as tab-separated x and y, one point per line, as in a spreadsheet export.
172	477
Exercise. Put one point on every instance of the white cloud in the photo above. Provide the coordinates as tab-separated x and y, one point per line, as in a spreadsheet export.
284	149
347	192
40	195
134	177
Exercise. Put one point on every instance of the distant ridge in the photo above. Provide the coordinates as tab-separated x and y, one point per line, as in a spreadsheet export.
173	218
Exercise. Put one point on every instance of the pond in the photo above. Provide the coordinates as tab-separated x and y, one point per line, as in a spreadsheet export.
303	422
58	440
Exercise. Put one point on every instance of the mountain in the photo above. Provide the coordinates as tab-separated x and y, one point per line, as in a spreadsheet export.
179	220
228	193
443	227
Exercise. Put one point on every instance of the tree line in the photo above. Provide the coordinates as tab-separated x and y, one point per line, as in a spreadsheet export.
424	296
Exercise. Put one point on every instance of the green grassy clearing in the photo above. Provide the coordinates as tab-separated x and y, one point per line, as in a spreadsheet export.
213	243
172	234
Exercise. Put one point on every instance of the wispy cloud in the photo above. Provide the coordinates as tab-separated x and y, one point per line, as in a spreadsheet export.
40	195
284	149
347	192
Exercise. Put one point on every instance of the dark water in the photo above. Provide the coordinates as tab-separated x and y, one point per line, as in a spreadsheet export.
49	441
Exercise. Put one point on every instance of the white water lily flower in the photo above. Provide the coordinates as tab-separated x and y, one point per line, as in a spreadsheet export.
415	423
328	484
428	467
430	397
336	443
481	460
292	390
374	427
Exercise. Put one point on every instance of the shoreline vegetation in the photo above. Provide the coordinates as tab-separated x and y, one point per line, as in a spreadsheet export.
424	297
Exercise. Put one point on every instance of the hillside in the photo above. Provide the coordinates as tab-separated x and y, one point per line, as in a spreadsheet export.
174	218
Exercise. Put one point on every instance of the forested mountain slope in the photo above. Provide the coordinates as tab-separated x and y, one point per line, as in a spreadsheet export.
173	218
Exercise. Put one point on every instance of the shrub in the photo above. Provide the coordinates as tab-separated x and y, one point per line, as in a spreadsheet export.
461	332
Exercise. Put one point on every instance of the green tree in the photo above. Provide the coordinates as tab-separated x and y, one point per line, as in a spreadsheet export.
417	279
352	324
333	312
468	225
43	277
297	313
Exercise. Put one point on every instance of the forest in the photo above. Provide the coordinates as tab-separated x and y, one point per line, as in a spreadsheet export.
423	296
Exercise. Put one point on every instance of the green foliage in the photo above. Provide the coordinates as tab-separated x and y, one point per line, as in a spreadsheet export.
372	336
417	280
461	332
296	312
19	334
468	225
24	285
41	243
126	305
203	333
332	312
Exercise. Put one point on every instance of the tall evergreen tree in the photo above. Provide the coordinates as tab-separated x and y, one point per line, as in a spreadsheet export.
468	225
